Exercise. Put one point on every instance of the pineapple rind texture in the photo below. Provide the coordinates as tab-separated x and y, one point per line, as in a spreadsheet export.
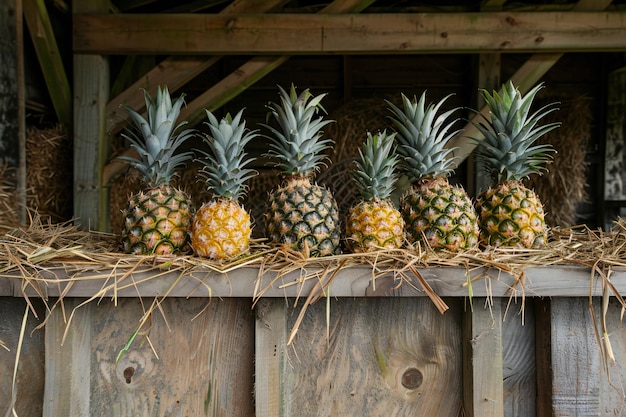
304	216
374	224
511	215
440	214
221	229
157	221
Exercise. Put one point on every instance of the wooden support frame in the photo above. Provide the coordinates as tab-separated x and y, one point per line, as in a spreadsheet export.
295	34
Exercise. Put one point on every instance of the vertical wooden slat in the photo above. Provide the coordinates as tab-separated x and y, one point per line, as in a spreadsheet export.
91	93
271	366
482	364
543	357
68	366
575	359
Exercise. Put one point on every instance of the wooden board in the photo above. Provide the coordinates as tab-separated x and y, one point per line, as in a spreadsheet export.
564	281
367	358
29	384
198	360
391	33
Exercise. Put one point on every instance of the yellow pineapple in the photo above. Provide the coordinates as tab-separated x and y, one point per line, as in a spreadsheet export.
221	228
510	213
157	219
374	222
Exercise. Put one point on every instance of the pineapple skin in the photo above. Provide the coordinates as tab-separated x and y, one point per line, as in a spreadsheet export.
221	229
304	216
511	214
374	224
157	222
441	214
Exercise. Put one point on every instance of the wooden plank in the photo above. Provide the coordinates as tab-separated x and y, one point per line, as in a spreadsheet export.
518	358
50	61
91	150
198	360
349	33
366	359
272	369
29	384
483	393
564	281
68	365
576	365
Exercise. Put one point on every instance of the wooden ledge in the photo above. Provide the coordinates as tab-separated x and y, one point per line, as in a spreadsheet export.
551	281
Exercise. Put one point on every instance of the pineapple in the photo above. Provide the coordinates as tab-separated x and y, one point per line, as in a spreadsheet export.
374	222
221	228
435	212
510	213
157	219
300	214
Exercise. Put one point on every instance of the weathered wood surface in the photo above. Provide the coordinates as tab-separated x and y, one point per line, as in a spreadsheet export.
482	359
192	358
354	33
581	385
565	281
91	144
366	358
29	384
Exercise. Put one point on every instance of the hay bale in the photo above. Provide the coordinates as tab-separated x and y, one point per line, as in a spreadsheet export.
49	178
562	188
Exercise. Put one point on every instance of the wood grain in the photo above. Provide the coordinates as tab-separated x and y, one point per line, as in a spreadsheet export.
391	33
383	357
197	360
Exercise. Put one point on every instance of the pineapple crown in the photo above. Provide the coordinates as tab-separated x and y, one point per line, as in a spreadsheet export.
154	139
422	137
223	168
374	174
507	150
297	143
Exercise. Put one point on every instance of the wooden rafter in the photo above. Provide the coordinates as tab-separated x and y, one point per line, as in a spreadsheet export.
238	81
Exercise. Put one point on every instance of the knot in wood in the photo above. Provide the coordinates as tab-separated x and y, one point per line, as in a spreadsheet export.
412	378
128	374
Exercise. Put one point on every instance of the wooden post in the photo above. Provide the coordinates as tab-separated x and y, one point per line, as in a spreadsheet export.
91	150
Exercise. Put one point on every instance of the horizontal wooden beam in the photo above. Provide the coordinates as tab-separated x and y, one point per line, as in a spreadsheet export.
551	281
349	33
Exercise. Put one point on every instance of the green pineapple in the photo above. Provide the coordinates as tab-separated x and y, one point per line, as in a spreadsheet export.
436	212
510	213
157	219
221	227
300	214
374	222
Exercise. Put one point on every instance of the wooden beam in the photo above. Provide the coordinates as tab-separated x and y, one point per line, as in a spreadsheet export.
175	71
238	81
91	145
349	33
47	50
